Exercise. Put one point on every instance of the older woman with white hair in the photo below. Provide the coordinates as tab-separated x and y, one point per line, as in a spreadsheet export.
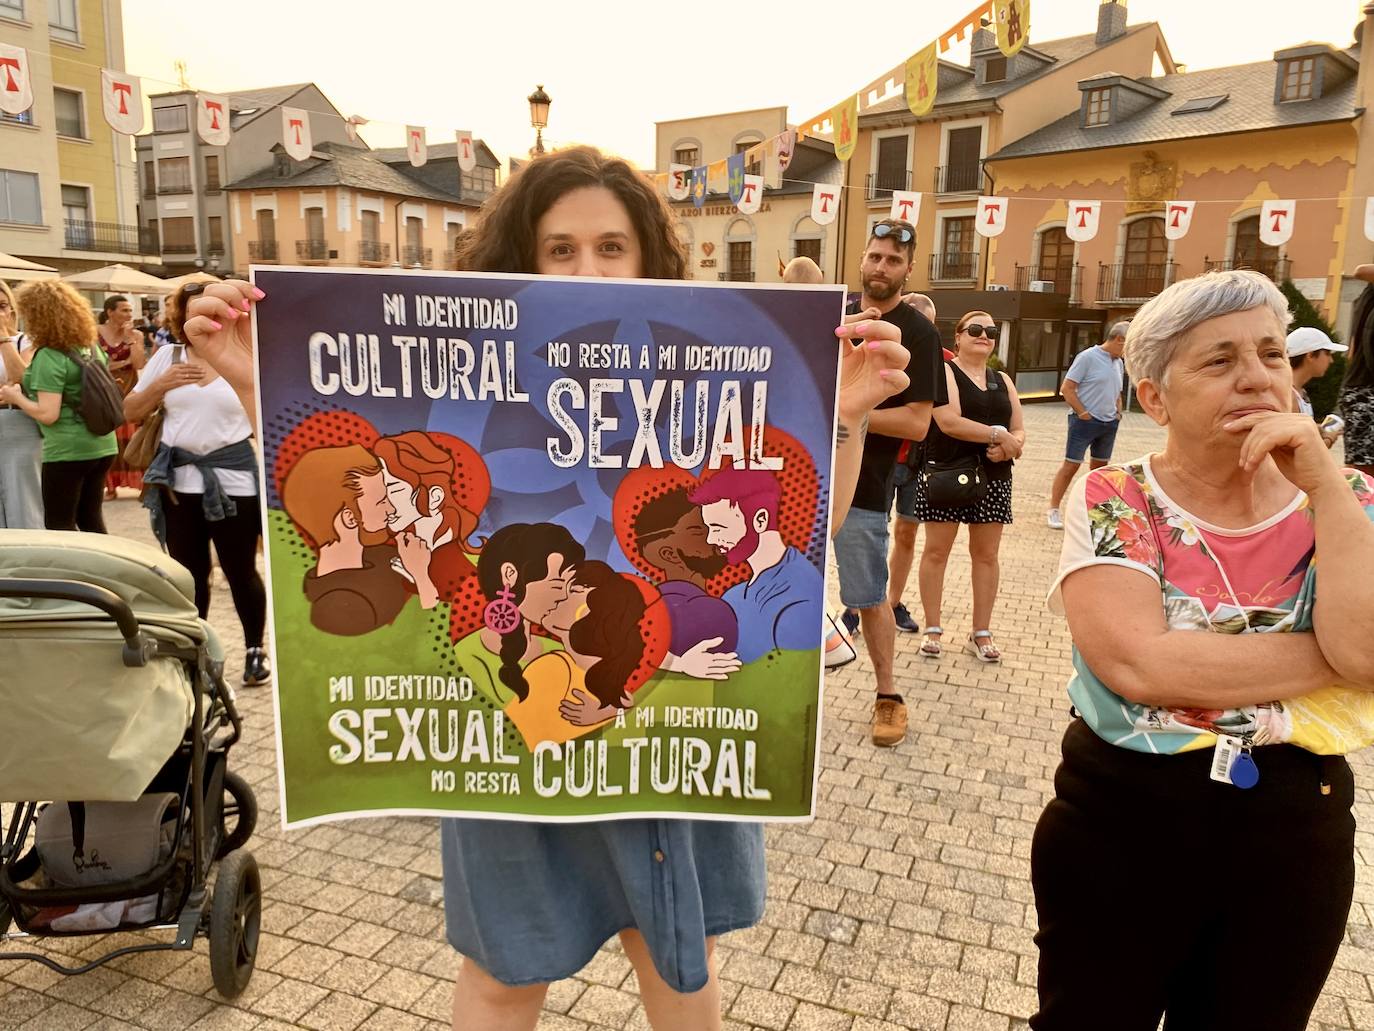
1197	861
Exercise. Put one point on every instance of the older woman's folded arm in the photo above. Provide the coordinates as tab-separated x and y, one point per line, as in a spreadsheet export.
1345	580
1119	629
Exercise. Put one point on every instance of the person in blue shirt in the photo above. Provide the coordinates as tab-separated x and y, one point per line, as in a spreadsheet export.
1092	389
779	606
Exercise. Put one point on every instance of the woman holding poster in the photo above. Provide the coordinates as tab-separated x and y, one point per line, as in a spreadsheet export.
531	903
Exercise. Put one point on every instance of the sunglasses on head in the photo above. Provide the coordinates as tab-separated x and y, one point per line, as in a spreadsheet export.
977	329
903	233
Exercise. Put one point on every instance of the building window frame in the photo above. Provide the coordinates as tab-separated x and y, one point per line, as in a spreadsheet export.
82	132
967	123
682	144
60	30
1039	254
938	246
170	184
805	228
1298	79
1233	237
215	183
909	132
1097	107
24	118
170	109
12	9
999	62
8	216
741	229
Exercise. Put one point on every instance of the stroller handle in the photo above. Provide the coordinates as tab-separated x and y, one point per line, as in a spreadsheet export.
138	649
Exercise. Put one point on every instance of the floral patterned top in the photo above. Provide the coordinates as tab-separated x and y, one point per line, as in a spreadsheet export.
1118	515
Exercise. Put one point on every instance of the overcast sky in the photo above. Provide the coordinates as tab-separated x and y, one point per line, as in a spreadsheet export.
470	64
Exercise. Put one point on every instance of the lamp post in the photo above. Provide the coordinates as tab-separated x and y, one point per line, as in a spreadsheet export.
539	117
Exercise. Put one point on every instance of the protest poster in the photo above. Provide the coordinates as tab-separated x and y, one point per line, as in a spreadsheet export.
545	548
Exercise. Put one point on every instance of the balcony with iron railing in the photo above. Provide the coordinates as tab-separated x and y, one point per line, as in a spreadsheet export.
178	247
372	252
1066	277
262	250
963	178
1277	269
312	250
1131	283
742	274
954	266
112	237
417	257
172	189
882	182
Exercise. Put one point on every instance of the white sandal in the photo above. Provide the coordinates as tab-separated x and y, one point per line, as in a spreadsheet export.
931	649
982	652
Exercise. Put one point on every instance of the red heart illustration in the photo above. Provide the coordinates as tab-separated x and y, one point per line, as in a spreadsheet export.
797	513
708	248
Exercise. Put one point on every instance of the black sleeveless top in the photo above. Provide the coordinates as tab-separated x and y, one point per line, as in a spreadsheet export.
991	407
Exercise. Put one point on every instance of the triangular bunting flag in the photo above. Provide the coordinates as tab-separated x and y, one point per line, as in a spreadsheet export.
295	132
751	196
1012	18
844	120
922	75
212	119
825	203
122	99
1178	218
16	86
467	151
416	149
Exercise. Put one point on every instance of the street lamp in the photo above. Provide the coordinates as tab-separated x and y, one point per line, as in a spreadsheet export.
539	117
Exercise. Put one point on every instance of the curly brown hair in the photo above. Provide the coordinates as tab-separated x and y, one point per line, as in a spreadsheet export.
174	311
56	316
504	238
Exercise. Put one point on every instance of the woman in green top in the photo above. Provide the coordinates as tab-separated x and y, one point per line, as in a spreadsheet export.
58	323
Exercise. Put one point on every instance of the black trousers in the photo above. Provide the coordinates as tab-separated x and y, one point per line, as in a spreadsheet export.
73	494
235	537
1163	893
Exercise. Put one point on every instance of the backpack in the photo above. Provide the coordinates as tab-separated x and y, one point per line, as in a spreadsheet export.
100	404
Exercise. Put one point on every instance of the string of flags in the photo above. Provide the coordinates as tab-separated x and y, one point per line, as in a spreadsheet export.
121	102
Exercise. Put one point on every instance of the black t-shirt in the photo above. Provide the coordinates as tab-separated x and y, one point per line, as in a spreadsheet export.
991	407
927	373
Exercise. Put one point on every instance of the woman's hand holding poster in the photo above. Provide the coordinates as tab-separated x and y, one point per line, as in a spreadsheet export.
542	548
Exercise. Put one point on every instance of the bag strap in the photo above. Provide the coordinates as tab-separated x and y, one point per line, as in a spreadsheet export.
77	810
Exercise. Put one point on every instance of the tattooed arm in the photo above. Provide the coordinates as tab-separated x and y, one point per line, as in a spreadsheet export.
870	373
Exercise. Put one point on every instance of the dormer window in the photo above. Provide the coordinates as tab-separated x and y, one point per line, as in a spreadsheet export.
1099	110
1298	75
995	69
283	165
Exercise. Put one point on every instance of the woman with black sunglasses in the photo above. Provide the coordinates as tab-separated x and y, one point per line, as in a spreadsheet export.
980	428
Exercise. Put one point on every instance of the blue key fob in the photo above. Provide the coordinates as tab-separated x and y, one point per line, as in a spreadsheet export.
1244	772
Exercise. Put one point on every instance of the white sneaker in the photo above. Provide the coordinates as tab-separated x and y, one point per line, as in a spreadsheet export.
1055	520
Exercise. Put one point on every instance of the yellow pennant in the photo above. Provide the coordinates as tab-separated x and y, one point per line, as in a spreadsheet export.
716	176
844	127
1012	18
922	71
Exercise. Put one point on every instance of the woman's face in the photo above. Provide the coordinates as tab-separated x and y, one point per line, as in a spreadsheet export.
122	313
541	596
403	498
568	611
968	344
587	232
1227	367
7	316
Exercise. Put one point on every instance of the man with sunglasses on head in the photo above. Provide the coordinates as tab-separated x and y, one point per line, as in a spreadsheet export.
861	543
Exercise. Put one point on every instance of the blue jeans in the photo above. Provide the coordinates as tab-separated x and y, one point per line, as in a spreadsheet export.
905	479
1090	433
21	487
861	554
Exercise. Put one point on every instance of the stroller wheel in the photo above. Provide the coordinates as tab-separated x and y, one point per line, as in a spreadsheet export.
239	815
235	919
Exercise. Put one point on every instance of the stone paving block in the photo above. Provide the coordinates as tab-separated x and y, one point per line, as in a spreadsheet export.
966	1018
398	989
338	1012
810	1017
603	1005
1012	999
394	1020
59	1015
763	1008
919	1012
805	982
226	1018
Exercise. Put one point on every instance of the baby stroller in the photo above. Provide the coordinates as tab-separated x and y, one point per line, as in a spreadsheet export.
115	730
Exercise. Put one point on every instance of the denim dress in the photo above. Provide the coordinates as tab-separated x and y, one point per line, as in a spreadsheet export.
533	902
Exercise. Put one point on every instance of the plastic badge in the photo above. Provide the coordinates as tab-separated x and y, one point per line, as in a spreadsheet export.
1244	773
1224	758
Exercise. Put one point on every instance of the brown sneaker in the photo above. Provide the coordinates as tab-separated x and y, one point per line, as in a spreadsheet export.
889	722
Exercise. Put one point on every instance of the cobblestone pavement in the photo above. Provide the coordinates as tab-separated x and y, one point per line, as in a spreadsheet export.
907	904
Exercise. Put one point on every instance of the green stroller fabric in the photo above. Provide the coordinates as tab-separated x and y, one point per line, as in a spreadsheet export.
76	724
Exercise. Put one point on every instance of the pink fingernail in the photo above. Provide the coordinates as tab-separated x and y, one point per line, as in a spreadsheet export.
244	304
862	327
883	373
216	325
873	345
258	295
233	313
